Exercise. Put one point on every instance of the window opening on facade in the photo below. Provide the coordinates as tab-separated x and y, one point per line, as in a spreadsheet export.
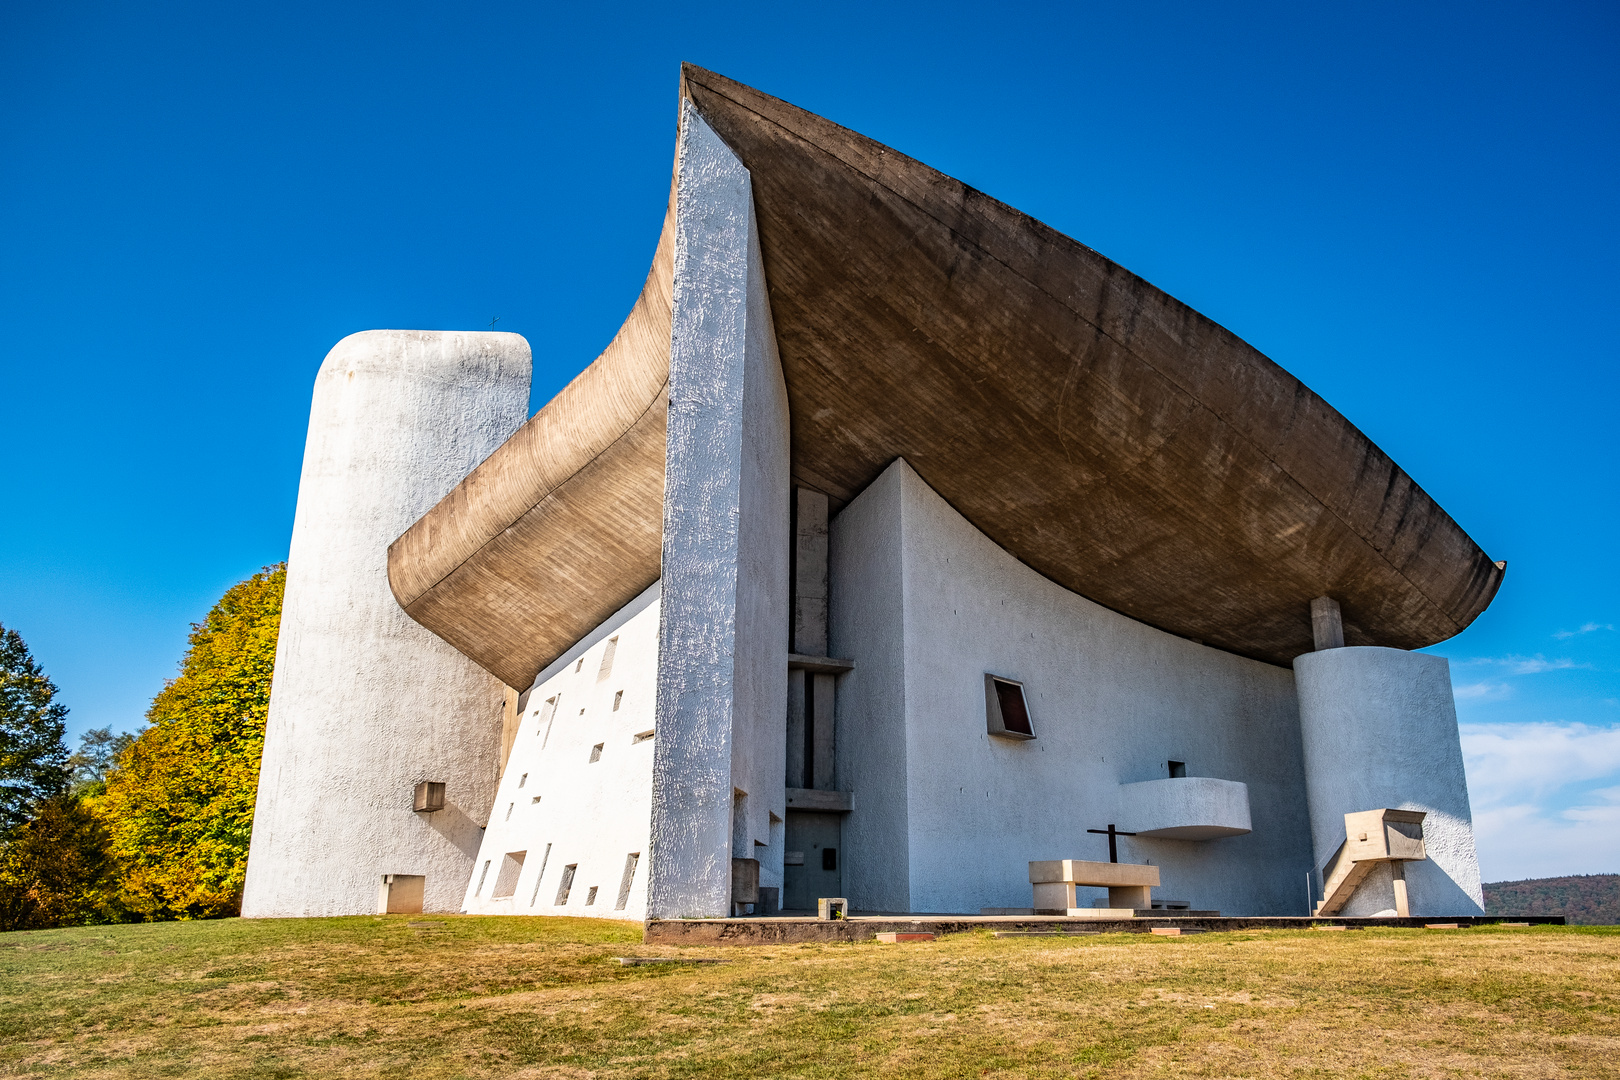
545	856
630	862
596	752
524	779
509	807
1178	769
506	881
641	736
1006	711
590	897
482	874
579	667
566	884
829	858
618	699
607	659
534	800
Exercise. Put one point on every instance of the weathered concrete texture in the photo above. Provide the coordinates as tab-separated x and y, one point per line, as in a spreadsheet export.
366	703
1105	434
1380	730
722	689
925	605
563	803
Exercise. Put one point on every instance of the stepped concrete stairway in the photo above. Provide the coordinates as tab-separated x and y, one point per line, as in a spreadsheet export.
1372	837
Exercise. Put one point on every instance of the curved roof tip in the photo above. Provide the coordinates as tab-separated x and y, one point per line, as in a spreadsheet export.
1107	435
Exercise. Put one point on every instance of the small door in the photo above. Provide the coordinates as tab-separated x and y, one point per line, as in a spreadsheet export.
814	866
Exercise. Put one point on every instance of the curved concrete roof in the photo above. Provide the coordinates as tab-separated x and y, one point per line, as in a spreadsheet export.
1104	433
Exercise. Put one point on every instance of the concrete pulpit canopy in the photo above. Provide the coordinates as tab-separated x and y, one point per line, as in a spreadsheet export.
1105	434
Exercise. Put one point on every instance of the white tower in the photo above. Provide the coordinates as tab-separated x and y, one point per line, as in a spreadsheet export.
366	703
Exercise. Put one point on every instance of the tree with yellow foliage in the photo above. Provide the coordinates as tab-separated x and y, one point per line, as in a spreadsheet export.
179	804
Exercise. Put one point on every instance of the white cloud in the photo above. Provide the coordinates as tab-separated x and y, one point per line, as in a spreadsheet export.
1536	811
1587	629
1482	691
1524	665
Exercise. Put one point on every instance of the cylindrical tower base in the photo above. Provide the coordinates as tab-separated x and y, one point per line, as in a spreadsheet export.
365	703
1379	730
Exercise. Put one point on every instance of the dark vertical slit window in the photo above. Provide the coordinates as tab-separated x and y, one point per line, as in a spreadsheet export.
1014	716
809	730
829	858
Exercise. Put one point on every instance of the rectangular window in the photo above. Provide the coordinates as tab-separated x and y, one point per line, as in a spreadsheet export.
534	800
509	810
618	699
590	897
641	736
545	857
546	714
566	884
630	862
607	660
524	779
596	752
481	876
1006	711
579	667
506	881
829	858
1178	769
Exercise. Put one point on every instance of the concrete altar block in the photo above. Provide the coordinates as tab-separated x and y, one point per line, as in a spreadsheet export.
1384	835
1129	885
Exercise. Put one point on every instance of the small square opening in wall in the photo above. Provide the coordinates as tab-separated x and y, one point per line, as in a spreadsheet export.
596	752
1178	770
1006	712
511	869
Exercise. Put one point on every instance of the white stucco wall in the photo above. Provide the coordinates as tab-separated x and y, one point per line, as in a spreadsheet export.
365	702
1380	730
722	695
552	796
946	817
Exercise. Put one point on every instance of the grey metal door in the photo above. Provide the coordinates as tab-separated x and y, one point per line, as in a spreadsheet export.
814	864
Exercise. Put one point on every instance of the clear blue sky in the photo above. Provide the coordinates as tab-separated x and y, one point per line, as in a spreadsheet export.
1412	207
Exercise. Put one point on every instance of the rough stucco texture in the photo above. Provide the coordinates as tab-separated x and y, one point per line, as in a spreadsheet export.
722	689
365	703
1380	730
947	817
558	807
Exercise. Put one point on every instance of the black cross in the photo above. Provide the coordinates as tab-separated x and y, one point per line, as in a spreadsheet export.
1113	845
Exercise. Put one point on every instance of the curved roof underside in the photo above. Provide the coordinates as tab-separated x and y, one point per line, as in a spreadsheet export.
1107	435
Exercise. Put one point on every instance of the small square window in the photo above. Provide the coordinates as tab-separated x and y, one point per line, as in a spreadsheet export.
1178	769
1006	711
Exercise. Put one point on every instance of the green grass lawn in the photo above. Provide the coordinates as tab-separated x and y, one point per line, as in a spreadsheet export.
517	997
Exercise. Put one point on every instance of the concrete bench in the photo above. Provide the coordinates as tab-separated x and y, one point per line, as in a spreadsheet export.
1129	887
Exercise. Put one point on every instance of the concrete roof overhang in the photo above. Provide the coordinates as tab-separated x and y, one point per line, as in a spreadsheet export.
1105	434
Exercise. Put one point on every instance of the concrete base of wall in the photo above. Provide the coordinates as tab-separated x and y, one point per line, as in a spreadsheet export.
769	931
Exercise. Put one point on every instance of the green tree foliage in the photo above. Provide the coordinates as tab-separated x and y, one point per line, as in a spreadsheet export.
56	870
179	805
97	754
33	759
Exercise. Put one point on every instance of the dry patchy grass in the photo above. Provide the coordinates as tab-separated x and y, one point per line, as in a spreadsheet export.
533	998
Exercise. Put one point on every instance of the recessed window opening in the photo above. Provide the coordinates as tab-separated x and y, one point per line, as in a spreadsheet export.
524	779
509	811
630	862
547	713
534	800
545	856
618	699
596	751
481	876
829	858
566	884
641	736
506	881
607	659
1006	711
579	667
1178	769
590	897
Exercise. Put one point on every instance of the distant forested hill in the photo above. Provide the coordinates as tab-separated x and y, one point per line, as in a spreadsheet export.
1589	900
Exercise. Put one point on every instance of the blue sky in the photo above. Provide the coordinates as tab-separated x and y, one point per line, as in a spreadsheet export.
1411	207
